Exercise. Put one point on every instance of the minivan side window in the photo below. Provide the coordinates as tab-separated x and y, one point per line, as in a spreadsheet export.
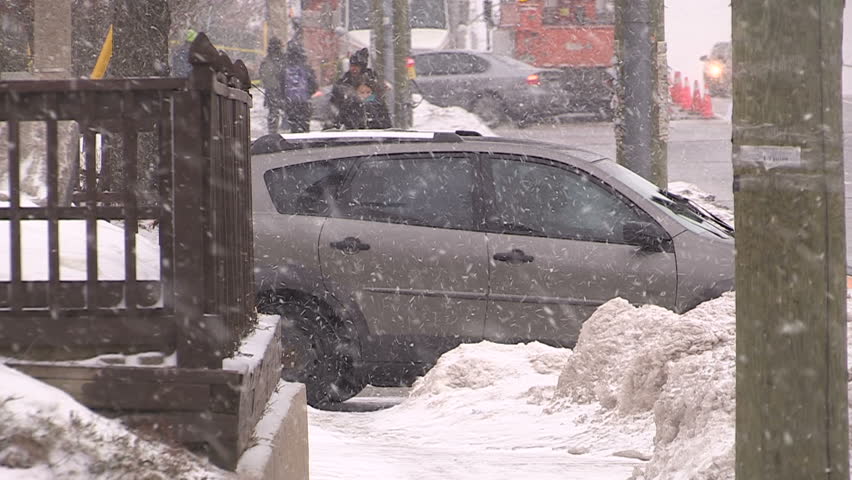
549	201
306	188
426	191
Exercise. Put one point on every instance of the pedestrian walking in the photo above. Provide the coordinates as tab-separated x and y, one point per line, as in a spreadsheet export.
344	96
271	75
299	83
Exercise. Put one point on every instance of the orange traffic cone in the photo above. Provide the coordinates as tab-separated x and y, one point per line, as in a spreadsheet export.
686	96
707	106
676	88
696	99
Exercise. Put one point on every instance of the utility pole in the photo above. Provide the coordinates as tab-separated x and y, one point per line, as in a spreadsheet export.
402	49
641	119
377	38
791	385
389	54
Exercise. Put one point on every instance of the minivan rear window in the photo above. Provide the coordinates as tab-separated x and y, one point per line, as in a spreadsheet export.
306	188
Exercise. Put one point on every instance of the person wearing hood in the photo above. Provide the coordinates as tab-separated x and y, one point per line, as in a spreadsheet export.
180	56
271	72
344	96
298	84
367	110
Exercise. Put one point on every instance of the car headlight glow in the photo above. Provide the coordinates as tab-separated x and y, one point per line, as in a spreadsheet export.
715	70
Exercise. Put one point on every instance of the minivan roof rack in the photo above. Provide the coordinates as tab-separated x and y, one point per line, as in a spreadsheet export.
275	142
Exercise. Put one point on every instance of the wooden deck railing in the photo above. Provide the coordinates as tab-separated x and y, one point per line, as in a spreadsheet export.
153	151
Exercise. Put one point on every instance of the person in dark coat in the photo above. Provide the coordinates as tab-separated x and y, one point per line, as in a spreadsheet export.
343	93
180	56
271	72
299	83
366	110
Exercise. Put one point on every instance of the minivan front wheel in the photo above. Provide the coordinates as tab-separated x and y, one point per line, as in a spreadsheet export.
318	351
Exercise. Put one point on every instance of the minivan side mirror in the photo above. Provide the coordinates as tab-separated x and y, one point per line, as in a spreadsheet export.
648	236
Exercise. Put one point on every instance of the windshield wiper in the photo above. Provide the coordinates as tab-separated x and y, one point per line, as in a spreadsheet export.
696	209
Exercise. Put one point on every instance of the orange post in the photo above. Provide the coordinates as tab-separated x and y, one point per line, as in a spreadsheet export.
677	86
686	95
707	106
697	103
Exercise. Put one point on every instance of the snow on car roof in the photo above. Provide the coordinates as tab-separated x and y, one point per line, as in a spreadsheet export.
359	134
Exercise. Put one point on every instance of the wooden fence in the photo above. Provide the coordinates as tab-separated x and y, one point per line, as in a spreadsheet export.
153	151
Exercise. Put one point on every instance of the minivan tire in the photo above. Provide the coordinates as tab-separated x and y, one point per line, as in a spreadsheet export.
318	351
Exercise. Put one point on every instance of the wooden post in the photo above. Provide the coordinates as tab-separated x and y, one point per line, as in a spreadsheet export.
401	103
791	386
641	125
660	105
52	39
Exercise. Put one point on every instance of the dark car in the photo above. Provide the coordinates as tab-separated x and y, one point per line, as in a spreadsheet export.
717	70
384	249
495	87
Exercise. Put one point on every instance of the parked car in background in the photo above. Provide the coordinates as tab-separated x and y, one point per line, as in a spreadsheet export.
717	70
384	249
495	87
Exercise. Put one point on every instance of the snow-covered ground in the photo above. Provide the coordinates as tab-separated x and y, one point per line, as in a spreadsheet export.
642	383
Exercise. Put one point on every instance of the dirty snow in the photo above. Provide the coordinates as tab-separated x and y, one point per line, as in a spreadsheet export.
45	434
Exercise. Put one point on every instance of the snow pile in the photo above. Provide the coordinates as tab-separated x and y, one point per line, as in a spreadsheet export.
46	434
646	360
489	372
479	414
476	382
430	117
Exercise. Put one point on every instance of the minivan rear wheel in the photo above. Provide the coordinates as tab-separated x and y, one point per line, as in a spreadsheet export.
317	350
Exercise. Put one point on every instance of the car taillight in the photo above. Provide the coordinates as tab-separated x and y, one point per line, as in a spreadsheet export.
533	79
410	68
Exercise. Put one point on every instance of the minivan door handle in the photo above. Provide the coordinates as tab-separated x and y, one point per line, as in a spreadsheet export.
350	245
515	257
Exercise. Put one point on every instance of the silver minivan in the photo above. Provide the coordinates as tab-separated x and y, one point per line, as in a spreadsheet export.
383	250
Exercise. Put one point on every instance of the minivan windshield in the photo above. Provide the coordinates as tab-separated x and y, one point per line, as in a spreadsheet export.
685	211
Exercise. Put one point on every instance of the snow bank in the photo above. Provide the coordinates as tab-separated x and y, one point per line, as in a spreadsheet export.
430	117
647	361
486	390
489	372
46	434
